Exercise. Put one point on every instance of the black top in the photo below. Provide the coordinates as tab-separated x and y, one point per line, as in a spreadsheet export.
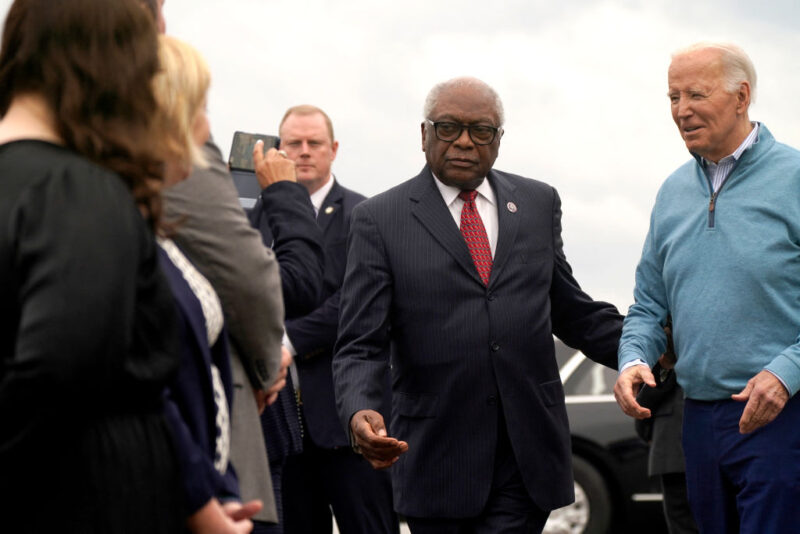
87	342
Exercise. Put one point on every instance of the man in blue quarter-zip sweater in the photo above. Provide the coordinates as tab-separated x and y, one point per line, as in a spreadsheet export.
723	257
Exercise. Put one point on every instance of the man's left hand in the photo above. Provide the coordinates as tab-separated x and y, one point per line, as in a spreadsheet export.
765	396
629	382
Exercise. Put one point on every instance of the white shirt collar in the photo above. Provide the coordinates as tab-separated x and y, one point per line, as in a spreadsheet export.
318	197
450	193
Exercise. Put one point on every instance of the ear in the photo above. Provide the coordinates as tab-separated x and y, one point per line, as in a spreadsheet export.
743	97
334	149
424	133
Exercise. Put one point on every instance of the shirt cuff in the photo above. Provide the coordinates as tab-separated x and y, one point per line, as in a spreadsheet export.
637	361
288	344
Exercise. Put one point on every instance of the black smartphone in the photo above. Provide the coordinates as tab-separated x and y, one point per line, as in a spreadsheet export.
241	156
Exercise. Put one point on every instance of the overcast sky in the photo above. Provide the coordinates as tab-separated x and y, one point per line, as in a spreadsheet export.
583	84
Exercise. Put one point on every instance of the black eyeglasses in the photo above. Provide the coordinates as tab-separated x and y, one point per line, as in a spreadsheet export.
450	131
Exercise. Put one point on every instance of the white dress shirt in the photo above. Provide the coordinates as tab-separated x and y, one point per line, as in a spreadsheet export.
485	202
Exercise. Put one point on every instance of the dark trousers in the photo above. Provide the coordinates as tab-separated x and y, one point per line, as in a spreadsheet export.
262	527
318	480
509	509
742	484
676	504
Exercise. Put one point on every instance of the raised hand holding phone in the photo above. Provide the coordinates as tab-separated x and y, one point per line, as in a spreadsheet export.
273	166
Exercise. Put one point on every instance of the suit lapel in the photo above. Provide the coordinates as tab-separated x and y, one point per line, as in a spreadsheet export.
430	210
507	222
331	206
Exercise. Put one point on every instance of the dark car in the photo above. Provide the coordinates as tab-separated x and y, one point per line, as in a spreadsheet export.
613	493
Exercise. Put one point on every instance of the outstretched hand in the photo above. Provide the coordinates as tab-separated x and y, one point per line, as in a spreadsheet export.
765	396
629	382
369	431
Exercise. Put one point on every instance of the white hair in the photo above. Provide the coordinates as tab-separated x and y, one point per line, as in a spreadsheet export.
736	64
463	81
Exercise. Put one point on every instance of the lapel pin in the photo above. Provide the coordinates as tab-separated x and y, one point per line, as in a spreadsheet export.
328	210
511	207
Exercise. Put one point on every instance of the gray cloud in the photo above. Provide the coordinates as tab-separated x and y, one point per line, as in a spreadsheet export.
583	83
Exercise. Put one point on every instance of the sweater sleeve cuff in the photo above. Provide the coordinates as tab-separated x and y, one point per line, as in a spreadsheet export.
787	370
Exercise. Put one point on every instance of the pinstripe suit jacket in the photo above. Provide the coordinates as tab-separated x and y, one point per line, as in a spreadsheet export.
461	351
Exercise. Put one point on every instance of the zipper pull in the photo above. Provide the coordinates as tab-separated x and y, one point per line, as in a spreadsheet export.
711	203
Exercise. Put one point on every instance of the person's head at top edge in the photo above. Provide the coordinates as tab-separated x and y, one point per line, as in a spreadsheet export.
156	8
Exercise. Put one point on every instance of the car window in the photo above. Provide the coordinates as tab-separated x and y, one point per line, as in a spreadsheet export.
591	378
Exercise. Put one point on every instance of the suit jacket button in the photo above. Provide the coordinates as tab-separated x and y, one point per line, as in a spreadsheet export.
491	400
495	347
490	296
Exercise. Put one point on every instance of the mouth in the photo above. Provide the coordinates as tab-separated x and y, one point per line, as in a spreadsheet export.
687	130
460	162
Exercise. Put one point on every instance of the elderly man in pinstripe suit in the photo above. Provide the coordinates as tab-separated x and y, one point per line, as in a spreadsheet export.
457	278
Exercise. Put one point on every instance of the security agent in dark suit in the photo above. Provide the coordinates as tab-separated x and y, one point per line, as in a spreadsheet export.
328	474
479	427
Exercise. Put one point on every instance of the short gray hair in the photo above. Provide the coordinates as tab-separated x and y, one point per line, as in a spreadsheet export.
463	81
736	64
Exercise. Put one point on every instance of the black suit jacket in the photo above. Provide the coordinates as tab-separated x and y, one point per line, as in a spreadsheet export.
461	351
285	217
314	335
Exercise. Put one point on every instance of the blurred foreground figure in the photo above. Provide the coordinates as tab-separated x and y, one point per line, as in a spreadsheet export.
200	397
87	321
213	231
723	257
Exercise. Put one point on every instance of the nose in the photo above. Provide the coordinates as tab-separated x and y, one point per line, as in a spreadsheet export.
683	107
464	140
304	148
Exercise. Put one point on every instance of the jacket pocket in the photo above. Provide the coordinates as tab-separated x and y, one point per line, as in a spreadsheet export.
552	392
416	405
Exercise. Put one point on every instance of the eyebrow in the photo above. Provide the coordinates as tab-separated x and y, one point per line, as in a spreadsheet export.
689	90
451	118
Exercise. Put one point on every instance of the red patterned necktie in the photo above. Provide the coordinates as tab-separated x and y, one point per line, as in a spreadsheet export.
475	235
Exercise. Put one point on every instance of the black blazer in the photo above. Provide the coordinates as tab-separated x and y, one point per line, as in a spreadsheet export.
285	217
190	407
314	335
460	351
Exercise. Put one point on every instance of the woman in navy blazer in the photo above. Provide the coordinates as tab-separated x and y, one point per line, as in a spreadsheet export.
200	397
